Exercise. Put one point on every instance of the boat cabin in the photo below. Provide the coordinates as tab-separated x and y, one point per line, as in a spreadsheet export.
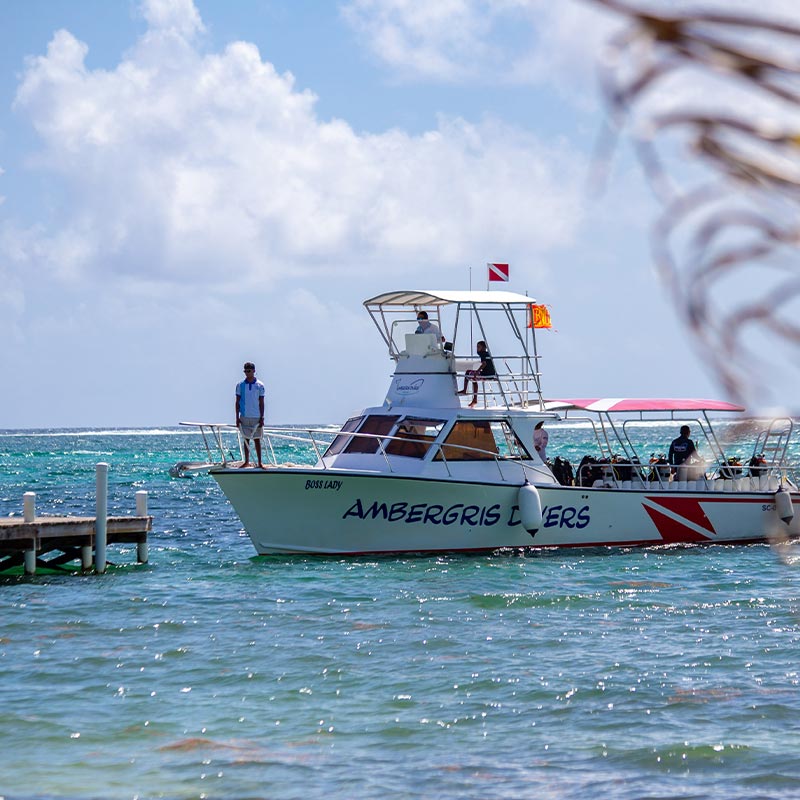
439	442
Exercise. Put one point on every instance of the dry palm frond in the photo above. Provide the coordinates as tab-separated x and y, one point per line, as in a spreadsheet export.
727	240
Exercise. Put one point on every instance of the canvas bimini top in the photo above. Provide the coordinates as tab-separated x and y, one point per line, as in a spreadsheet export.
641	404
434	297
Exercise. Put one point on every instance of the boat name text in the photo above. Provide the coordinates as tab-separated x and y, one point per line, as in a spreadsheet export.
457	514
321	484
460	514
559	517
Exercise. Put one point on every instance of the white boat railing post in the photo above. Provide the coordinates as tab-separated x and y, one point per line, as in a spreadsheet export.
266	435
101	518
216	434
29	515
316	448
382	449
141	511
444	458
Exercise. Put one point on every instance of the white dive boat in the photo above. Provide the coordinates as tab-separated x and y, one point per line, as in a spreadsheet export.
423	472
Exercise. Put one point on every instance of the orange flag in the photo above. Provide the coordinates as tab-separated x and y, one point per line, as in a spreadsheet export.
539	317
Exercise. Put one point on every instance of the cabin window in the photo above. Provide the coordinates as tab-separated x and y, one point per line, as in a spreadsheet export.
481	440
508	443
469	441
414	436
376	425
337	445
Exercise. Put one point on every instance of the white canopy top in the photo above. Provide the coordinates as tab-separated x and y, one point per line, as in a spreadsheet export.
421	297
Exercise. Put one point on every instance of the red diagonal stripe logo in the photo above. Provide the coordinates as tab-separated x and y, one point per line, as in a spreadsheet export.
672	531
687	507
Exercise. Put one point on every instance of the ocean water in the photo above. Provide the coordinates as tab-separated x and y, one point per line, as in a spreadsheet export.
213	673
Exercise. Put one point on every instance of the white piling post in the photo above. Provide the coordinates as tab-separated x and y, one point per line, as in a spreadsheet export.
29	506
29	515
100	525
86	556
141	511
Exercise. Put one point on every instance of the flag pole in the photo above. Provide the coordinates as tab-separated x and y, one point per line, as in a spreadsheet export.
470	312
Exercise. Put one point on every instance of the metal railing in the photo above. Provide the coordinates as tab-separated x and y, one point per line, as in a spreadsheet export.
318	440
513	388
218	454
659	474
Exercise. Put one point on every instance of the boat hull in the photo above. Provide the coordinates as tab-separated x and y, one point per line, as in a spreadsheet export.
342	512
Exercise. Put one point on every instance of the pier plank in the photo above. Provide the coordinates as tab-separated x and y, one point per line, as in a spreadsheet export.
16	527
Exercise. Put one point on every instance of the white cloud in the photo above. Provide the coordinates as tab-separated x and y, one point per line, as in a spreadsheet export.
491	42
177	16
181	164
424	39
528	42
12	294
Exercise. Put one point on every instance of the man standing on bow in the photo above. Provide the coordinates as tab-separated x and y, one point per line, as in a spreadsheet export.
250	412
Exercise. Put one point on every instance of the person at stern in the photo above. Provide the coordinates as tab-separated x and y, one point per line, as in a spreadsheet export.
681	448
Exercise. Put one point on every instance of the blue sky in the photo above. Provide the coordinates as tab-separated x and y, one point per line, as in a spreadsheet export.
186	186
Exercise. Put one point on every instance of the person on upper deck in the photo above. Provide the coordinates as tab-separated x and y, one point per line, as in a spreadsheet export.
426	326
681	448
484	371
250	412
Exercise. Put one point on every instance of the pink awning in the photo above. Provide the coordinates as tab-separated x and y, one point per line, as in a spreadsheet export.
641	404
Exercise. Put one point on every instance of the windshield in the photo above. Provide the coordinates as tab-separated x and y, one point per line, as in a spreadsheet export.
337	445
414	437
481	440
376	425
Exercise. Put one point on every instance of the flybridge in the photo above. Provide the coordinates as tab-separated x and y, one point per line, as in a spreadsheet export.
501	319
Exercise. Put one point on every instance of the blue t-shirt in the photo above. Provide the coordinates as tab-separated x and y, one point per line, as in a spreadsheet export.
248	394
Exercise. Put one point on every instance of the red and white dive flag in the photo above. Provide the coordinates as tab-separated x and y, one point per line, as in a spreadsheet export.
498	272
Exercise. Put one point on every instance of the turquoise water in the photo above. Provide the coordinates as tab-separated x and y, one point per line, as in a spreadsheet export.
210	672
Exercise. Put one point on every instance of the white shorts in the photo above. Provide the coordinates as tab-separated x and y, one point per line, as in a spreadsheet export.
251	427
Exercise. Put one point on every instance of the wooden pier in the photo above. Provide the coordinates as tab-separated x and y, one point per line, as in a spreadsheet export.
26	540
70	537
